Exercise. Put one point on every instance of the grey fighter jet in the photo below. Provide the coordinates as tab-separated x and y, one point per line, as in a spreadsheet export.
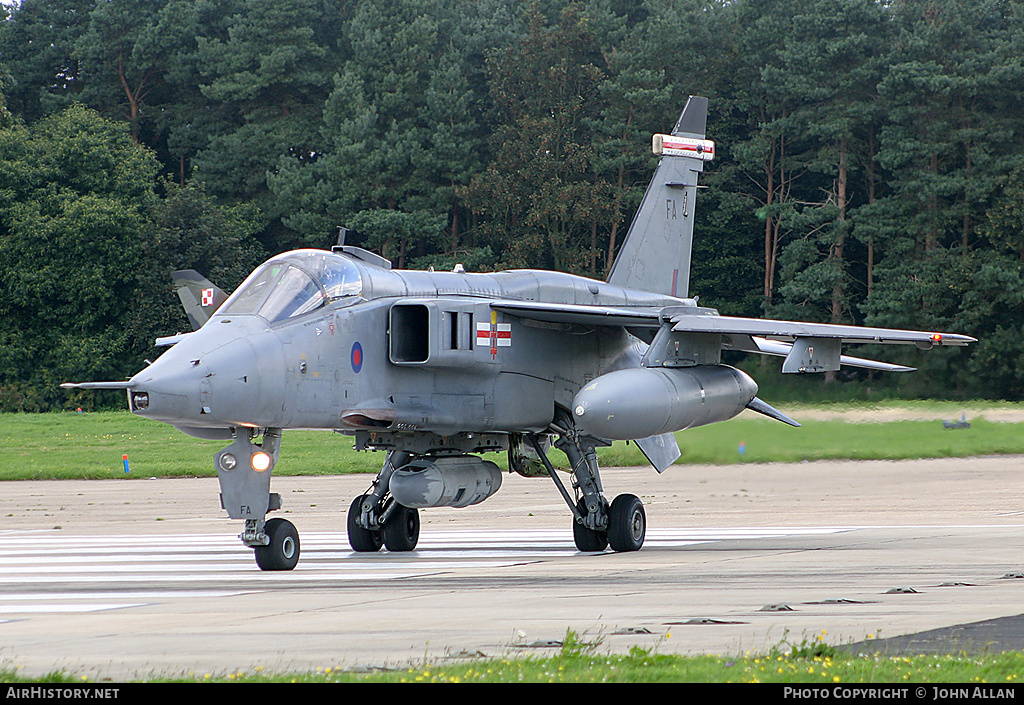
437	369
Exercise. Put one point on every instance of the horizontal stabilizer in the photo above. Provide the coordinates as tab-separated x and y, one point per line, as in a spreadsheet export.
763	407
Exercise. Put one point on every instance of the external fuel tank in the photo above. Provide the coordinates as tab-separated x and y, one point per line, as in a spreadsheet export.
648	401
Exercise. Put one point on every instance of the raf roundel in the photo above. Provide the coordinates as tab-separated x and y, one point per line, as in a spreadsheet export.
357	356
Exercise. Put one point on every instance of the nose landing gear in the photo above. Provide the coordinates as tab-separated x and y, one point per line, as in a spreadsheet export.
244	469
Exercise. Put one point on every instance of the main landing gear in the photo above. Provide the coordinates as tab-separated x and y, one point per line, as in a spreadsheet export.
596	523
375	519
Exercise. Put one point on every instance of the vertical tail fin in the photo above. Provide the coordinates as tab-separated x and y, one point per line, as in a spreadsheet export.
655	255
200	298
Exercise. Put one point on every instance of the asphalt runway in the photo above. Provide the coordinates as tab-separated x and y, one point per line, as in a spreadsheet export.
131	578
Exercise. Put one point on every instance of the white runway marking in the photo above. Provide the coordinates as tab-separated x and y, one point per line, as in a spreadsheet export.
98	573
63	609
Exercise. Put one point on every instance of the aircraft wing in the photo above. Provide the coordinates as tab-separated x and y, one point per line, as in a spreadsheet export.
765	330
796	341
793	330
584	314
811	347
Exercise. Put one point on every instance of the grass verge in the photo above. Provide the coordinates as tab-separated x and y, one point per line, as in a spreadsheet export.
92	445
576	661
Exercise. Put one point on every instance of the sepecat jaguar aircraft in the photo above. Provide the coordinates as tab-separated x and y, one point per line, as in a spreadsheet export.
438	368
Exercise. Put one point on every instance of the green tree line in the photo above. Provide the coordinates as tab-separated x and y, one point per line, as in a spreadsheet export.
870	162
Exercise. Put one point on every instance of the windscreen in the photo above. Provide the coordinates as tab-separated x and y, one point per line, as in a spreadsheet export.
293	284
293	294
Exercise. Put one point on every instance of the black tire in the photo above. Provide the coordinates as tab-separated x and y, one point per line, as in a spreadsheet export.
402	531
361	540
282	553
627	523
587	540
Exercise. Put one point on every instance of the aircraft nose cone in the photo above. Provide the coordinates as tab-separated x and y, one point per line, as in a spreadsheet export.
166	392
215	378
196	387
231	386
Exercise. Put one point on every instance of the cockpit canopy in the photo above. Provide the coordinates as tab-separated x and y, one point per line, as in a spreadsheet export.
294	283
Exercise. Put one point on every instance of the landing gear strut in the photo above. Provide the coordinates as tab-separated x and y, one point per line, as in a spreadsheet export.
244	470
596	524
375	519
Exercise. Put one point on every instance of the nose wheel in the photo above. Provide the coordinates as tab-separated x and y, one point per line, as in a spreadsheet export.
243	470
282	552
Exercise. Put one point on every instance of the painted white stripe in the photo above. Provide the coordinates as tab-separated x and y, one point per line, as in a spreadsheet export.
145	595
116	569
107	570
195	546
62	609
255	576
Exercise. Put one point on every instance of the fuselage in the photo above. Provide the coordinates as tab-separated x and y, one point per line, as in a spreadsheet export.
317	339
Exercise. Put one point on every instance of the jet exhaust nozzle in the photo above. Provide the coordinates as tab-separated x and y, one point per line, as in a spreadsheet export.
648	401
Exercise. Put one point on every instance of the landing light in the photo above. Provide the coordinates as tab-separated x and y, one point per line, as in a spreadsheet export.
260	462
140	401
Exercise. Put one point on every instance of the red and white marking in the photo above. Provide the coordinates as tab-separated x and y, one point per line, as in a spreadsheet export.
674	146
498	335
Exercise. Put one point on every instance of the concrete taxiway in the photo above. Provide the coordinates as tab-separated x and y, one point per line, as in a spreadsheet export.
128	578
